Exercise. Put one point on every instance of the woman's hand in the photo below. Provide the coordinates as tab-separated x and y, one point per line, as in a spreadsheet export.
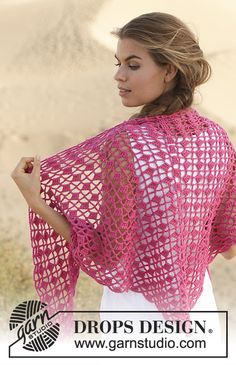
27	177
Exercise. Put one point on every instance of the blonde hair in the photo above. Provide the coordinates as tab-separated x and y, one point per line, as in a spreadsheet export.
169	41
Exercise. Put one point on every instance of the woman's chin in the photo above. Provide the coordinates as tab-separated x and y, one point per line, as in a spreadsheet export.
129	103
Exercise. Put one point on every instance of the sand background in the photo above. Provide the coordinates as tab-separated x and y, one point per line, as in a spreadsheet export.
57	88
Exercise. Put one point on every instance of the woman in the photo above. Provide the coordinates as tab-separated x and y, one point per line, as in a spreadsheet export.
145	206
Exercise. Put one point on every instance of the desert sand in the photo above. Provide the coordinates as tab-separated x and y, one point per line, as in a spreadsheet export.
57	88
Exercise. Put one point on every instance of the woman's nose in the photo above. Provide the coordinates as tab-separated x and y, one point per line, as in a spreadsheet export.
120	75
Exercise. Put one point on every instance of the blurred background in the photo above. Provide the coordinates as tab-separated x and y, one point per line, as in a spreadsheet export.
57	89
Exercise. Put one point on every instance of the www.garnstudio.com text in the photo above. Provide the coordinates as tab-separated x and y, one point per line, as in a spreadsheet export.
162	343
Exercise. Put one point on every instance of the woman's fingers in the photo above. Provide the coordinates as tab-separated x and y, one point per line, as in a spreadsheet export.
27	177
20	167
24	164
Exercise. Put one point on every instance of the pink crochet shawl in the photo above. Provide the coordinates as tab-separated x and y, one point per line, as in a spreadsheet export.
150	201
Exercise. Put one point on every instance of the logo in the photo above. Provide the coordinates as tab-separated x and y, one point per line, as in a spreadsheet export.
34	325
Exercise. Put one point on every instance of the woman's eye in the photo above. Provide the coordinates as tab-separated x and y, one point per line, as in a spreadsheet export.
130	66
134	67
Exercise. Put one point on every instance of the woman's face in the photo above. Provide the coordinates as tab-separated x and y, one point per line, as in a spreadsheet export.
138	73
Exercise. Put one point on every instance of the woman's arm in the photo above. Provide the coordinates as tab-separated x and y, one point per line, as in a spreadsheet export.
29	185
57	221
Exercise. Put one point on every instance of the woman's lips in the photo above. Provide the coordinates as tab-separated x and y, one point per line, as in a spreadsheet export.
124	92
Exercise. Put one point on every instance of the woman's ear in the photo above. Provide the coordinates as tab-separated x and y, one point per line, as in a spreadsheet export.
171	71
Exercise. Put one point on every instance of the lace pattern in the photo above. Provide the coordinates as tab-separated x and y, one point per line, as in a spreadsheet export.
152	232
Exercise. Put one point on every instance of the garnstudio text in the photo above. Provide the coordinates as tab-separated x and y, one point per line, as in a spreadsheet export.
32	324
145	326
